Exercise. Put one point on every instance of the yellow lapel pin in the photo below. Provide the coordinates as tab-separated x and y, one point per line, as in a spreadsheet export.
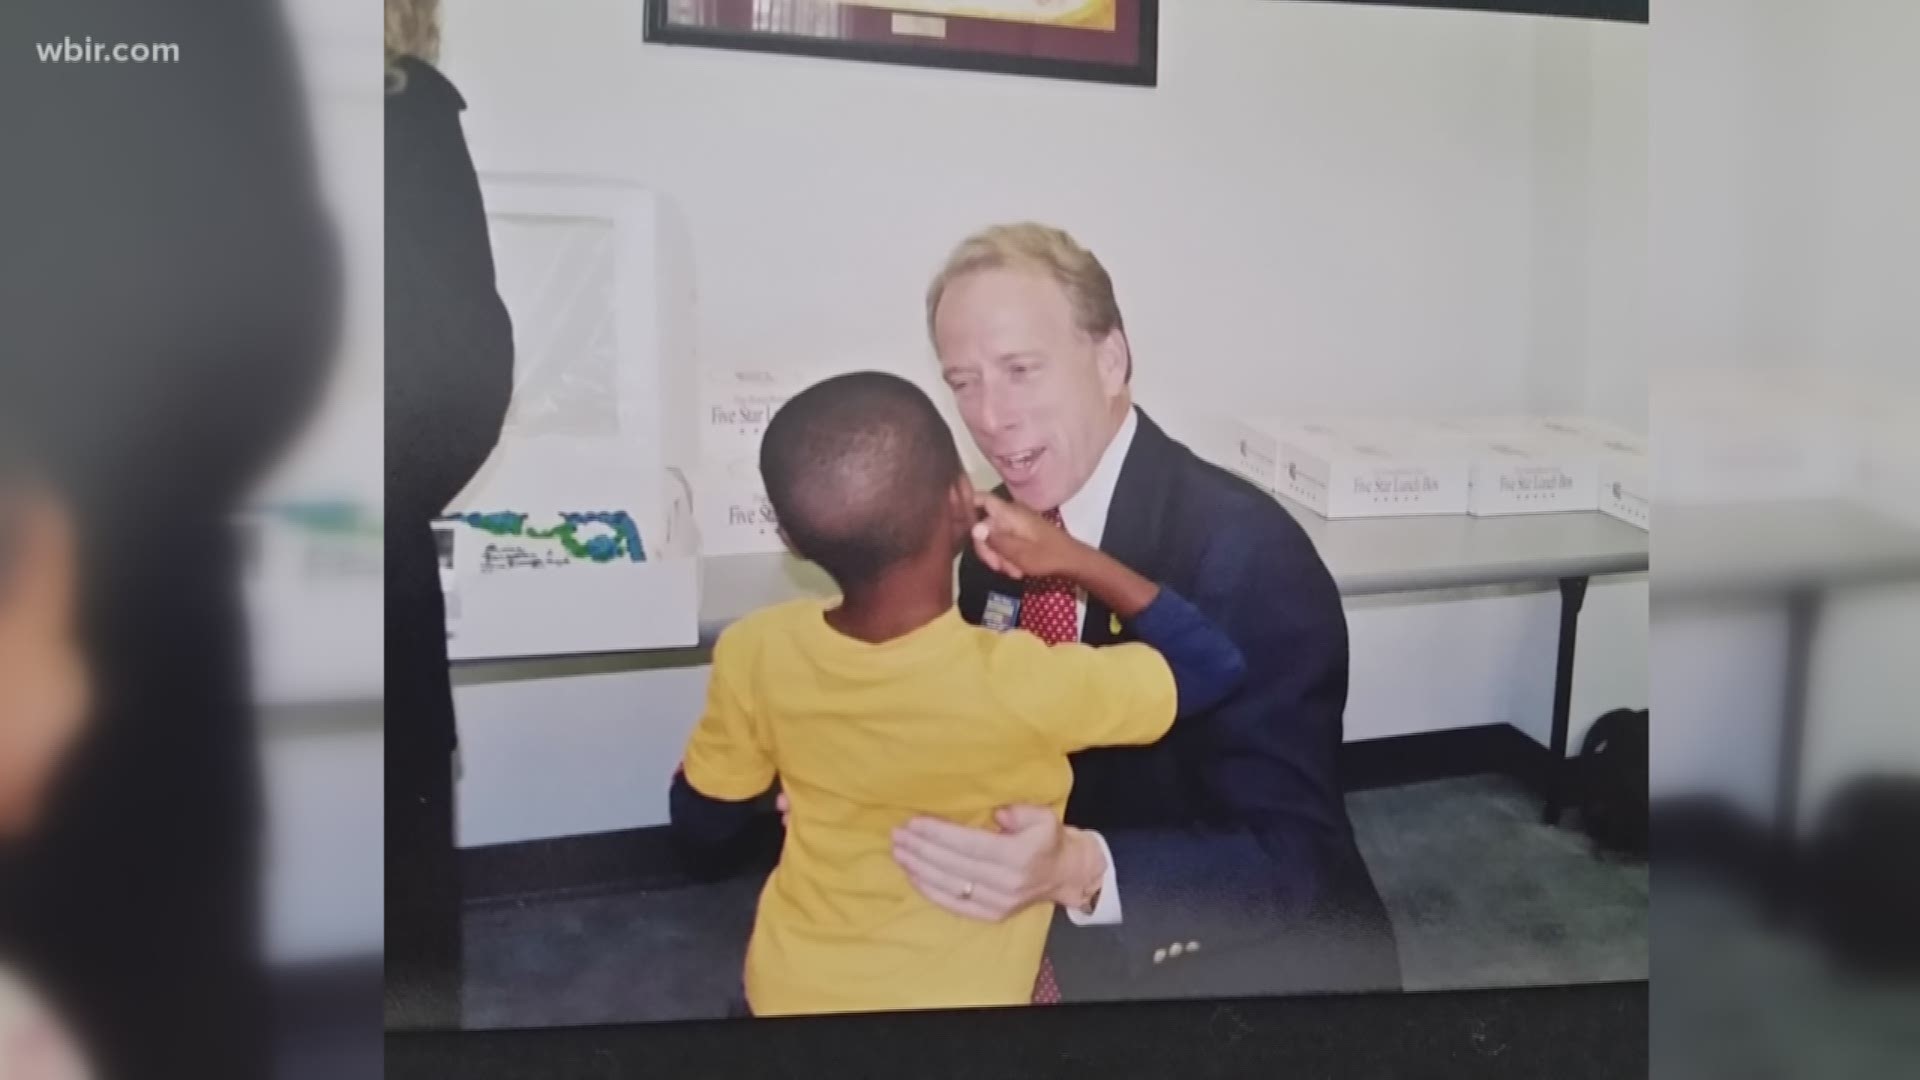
1113	623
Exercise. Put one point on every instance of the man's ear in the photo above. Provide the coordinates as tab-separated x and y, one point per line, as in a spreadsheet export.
960	505
1114	355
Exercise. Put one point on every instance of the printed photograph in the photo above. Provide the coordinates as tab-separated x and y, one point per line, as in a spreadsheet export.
1129	561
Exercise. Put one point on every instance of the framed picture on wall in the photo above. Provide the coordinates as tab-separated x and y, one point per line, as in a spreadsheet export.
1098	40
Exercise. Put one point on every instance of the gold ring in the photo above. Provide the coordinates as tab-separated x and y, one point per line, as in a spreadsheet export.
966	891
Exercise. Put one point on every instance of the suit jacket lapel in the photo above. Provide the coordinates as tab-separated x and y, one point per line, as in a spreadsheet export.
1132	535
976	583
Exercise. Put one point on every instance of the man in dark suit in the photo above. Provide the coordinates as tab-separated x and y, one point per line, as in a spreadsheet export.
1219	861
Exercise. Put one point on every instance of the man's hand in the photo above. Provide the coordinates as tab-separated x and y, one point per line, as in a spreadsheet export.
1019	543
988	875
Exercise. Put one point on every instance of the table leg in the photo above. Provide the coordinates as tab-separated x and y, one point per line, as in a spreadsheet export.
1573	593
1803	612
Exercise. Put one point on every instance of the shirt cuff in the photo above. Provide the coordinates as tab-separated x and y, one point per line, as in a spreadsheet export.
1106	910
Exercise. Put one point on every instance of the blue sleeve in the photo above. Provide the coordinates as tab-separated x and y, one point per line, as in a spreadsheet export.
706	825
1207	666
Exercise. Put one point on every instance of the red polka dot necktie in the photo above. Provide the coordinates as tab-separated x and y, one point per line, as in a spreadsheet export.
1049	609
1049	606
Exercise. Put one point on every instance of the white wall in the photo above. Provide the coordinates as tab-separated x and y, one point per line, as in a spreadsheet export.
1320	207
1783	228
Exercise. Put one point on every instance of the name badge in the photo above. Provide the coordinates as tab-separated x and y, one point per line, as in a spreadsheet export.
1002	612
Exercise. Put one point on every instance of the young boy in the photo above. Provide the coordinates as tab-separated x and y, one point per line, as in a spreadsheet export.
888	704
42	702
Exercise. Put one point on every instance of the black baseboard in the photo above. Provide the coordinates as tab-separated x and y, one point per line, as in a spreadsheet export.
632	860
628	860
1439	755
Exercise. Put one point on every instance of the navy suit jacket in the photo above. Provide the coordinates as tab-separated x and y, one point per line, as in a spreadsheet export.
1231	832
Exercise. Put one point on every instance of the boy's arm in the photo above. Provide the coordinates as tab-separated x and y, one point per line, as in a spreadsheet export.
1207	666
705	823
1079	696
1107	579
727	765
1117	696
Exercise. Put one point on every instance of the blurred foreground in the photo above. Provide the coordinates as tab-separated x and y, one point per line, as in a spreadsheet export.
189	355
1785	765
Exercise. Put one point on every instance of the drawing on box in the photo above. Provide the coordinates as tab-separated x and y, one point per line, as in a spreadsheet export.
593	536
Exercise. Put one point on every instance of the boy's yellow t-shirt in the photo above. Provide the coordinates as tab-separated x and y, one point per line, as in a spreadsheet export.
951	720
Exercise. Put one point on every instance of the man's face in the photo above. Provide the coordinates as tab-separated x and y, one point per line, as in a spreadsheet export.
43	690
1041	397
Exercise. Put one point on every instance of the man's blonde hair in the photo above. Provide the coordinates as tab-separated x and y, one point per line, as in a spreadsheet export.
1036	247
413	29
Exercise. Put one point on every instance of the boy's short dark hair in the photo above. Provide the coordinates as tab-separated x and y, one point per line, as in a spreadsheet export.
858	468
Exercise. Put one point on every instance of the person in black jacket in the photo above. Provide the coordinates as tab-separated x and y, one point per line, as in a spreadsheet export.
449	353
1218	861
168	306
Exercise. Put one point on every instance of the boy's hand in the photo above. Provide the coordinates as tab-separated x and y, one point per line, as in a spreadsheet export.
1019	543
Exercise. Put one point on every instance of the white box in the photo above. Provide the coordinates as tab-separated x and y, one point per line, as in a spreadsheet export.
557	582
1609	437
1525	474
731	507
730	499
310	582
1531	475
1740	448
1352	469
570	538
1624	489
1539	464
735	406
1890	477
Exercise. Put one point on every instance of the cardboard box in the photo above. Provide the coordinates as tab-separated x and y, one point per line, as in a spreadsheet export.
731	507
1353	468
1523	474
1891	474
568	539
1537	465
558	582
1548	464
735	406
309	587
1608	437
1625	474
1626	491
1730	443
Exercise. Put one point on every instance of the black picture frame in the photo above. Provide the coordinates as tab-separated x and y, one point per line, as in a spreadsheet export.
1142	71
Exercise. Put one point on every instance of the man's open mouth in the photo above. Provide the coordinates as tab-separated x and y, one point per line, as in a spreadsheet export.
1017	467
